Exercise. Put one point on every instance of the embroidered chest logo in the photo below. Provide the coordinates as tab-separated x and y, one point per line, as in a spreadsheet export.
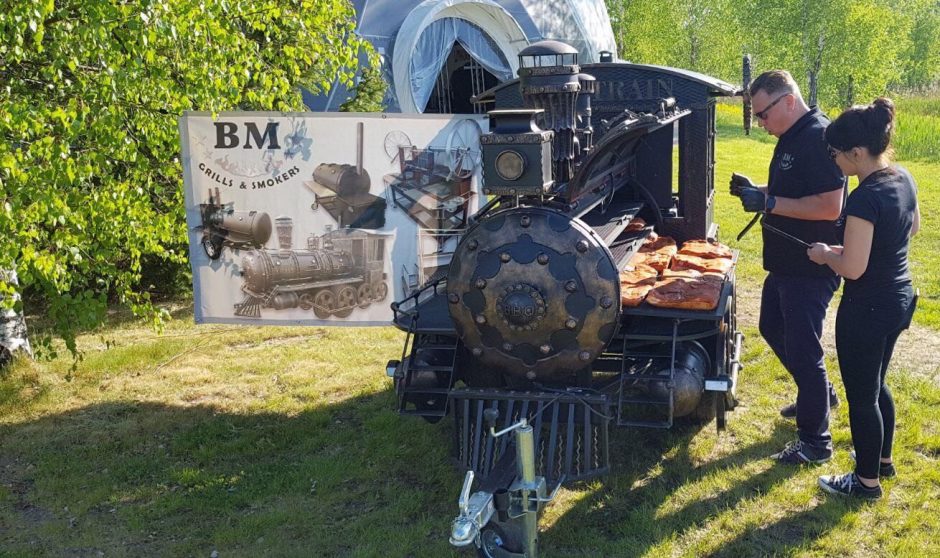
786	161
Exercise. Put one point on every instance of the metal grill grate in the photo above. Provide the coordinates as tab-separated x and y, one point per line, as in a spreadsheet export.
571	431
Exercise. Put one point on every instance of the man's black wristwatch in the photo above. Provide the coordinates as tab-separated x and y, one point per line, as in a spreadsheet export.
770	204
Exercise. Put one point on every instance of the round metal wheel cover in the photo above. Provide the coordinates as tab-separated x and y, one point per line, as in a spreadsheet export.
534	293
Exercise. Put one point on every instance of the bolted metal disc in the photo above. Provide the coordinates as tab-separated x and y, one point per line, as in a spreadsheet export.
534	288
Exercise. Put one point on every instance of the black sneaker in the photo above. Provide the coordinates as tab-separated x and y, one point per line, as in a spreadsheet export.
848	485
885	470
798	453
789	411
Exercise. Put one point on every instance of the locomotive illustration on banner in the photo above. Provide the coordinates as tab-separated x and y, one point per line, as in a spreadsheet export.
331	276
336	272
223	226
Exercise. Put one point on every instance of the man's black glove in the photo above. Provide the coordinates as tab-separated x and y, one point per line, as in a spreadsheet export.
739	182
753	199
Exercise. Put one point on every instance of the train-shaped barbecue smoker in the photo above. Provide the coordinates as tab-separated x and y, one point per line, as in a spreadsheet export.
526	333
331	276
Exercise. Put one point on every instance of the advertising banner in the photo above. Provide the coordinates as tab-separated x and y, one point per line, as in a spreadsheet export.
315	219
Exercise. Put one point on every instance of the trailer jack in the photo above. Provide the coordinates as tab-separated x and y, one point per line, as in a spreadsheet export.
513	532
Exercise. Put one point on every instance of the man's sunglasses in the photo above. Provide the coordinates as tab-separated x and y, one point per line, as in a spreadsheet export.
762	115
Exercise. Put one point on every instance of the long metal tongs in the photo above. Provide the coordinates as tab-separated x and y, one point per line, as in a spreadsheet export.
748	227
760	215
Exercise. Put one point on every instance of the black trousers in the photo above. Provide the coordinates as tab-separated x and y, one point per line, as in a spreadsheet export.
866	331
792	312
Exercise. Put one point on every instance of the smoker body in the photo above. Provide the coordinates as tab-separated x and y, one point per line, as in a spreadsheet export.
264	270
343	191
528	325
223	226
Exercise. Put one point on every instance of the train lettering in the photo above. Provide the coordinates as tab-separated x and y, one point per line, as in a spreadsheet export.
521	310
226	135
635	90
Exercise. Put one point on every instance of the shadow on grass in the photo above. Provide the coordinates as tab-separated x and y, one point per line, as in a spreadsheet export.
638	508
784	535
346	479
146	479
118	317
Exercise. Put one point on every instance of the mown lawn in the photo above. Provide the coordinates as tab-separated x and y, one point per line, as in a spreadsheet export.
284	442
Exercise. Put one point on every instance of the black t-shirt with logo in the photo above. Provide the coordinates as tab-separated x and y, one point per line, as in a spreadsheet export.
888	199
801	167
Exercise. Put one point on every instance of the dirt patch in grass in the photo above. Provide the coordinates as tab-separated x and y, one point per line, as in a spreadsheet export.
274	342
919	350
18	489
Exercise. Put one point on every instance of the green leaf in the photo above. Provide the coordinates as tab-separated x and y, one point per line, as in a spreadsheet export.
90	97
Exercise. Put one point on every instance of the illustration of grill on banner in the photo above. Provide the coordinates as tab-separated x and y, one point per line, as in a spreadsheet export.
343	191
433	185
434	188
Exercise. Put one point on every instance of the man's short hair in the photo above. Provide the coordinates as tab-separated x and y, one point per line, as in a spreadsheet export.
775	82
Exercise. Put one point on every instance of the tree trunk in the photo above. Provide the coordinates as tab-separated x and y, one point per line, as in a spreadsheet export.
812	87
12	325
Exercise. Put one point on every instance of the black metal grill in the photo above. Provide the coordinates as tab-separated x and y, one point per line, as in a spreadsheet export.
516	296
642	88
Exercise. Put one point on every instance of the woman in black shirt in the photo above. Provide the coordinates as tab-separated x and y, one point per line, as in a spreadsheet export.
878	298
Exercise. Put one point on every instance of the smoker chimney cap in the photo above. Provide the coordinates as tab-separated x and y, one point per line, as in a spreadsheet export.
548	47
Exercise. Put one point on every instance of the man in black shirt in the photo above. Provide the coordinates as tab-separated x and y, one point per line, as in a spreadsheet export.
804	198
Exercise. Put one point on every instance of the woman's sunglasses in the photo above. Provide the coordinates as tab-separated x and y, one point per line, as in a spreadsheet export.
833	152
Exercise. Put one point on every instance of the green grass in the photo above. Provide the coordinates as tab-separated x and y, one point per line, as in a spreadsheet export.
918	133
284	442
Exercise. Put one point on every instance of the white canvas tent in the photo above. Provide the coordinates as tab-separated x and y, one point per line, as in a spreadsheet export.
437	53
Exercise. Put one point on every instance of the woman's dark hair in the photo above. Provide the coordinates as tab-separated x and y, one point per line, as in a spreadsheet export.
868	126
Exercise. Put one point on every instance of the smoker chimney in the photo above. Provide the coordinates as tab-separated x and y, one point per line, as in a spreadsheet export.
549	78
